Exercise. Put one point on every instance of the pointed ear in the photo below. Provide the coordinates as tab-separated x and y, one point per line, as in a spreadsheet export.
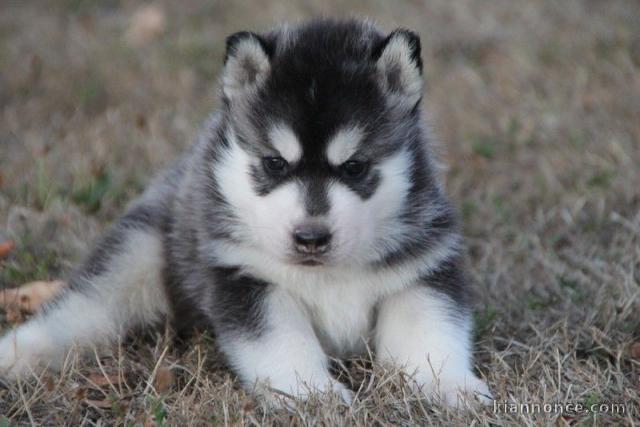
246	64
400	67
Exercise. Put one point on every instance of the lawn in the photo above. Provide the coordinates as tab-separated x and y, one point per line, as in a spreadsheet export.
536	105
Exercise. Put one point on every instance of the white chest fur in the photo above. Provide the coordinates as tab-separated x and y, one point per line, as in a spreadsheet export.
342	315
339	302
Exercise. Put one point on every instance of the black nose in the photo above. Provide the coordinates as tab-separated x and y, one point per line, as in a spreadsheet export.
312	239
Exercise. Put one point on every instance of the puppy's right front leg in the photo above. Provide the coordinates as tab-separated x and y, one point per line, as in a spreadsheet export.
269	340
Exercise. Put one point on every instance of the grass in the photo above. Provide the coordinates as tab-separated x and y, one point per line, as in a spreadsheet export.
91	195
485	148
536	107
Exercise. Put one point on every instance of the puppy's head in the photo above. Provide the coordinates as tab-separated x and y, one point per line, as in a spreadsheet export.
323	160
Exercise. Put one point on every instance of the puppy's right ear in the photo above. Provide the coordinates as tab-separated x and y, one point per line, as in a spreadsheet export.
247	63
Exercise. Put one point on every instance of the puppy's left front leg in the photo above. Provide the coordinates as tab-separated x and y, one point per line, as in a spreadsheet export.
269	340
423	330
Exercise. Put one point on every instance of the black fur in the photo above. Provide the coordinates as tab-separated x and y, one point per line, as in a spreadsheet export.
449	279
238	302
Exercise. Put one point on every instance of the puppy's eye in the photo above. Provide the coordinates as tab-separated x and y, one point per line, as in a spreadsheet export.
276	166
354	168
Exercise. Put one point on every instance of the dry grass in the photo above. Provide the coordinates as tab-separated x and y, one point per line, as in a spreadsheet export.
538	108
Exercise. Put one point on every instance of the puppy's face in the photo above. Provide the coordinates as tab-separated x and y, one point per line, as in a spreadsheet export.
320	155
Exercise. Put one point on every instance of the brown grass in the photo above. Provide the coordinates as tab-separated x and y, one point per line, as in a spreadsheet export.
537	105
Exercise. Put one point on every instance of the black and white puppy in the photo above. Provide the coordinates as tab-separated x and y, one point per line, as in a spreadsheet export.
307	221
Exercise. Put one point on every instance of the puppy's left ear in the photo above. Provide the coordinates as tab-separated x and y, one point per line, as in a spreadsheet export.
400	67
247	62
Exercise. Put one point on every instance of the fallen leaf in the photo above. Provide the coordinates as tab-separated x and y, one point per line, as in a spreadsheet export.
28	298
6	247
163	380
80	393
101	380
13	314
147	23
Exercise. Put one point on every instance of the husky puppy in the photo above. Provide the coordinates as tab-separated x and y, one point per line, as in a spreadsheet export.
307	222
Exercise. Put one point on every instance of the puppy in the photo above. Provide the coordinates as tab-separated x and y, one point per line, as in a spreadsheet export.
307	221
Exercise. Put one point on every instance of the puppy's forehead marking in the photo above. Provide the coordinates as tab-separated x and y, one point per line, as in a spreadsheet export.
344	144
284	140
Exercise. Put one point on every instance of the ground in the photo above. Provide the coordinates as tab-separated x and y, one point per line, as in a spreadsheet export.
537	109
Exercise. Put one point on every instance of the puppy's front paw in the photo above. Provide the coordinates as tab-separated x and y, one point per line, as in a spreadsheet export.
288	395
458	392
342	391
11	365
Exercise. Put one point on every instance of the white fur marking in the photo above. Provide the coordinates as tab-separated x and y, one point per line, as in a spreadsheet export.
267	221
285	141
363	229
343	145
